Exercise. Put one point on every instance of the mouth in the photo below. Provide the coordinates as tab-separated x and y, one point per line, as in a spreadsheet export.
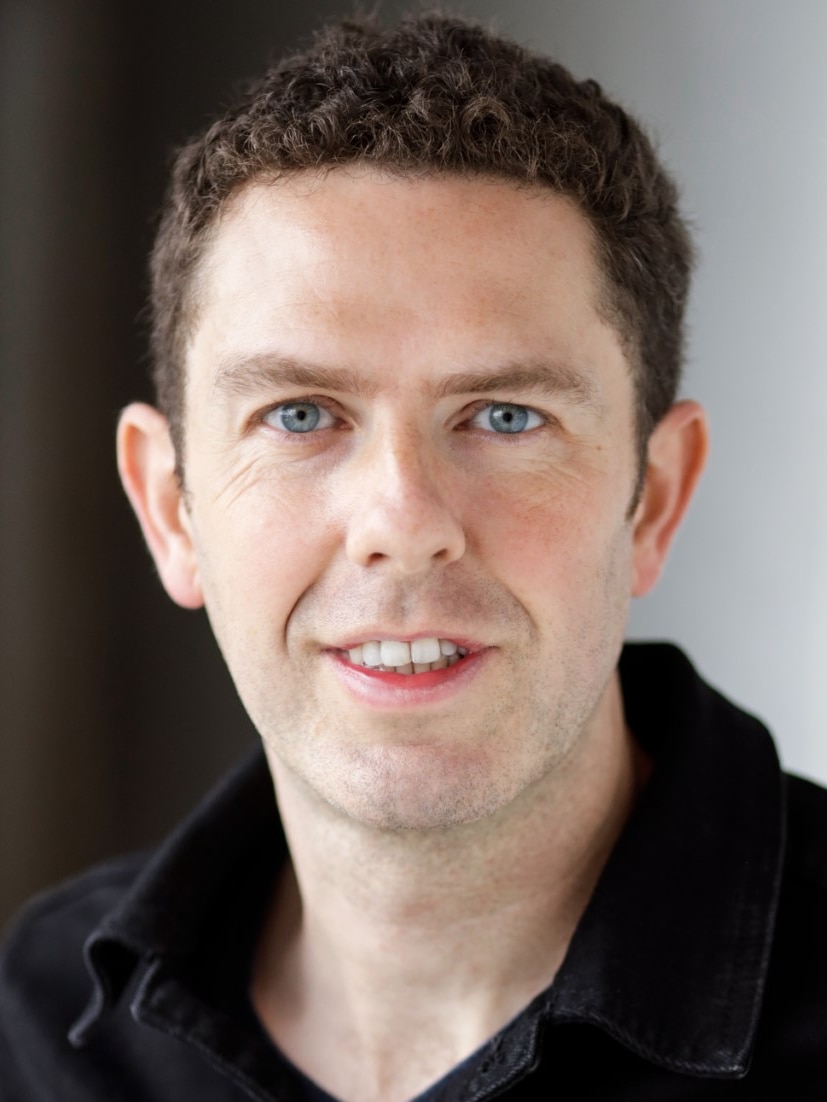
405	657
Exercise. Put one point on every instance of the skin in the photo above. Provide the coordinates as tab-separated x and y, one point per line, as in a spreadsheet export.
422	824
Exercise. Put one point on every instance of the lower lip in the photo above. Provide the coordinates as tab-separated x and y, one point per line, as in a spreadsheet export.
398	690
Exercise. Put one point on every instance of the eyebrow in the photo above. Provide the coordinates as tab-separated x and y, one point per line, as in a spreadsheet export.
553	380
239	378
246	376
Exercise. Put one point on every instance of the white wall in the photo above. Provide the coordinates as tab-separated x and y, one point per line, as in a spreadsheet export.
736	90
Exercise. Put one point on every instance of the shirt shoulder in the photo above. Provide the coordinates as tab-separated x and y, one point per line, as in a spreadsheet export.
793	1024
44	983
807	832
62	917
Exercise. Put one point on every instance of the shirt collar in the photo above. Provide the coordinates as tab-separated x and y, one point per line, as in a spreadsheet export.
214	872
671	954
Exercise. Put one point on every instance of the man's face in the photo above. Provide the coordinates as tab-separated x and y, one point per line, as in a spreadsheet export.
406	420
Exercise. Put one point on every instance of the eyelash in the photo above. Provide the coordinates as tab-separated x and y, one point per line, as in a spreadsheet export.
326	404
479	407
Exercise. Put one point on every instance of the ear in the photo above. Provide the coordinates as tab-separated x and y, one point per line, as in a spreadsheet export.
146	462
677	454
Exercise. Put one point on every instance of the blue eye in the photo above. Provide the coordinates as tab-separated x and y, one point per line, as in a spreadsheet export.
299	417
503	417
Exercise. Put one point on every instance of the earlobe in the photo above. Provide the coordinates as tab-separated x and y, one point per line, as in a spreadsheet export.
146	463
676	457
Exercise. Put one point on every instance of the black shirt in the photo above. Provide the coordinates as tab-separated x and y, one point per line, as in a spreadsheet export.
698	970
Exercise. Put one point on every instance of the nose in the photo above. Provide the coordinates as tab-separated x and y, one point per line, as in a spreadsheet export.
401	516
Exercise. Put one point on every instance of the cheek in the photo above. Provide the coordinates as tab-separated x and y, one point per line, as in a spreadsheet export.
257	557
558	542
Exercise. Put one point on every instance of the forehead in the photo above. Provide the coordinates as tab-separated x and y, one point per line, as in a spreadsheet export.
355	264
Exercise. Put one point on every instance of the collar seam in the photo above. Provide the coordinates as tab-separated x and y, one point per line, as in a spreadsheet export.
701	1068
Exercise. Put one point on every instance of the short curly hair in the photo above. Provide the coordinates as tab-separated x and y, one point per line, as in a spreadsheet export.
439	94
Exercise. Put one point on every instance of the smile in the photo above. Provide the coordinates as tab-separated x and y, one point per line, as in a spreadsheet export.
401	657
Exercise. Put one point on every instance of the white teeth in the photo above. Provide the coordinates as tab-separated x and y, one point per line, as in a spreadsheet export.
396	656
425	650
395	653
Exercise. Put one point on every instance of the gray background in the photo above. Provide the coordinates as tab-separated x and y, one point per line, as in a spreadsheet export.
116	710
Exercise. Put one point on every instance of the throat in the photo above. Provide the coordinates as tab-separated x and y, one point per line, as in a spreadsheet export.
336	997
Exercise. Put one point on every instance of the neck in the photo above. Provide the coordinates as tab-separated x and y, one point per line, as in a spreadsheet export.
442	936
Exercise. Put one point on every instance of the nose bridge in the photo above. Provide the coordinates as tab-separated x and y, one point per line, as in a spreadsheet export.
402	513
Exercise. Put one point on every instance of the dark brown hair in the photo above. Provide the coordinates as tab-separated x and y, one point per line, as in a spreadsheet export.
437	94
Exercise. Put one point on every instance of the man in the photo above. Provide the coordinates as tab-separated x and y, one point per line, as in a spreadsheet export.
417	337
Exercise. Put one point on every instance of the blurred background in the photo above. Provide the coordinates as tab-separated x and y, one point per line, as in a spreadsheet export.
116	710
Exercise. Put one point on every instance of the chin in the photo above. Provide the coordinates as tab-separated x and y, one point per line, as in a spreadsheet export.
418	789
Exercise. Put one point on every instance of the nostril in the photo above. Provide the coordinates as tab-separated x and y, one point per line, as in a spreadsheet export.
410	541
